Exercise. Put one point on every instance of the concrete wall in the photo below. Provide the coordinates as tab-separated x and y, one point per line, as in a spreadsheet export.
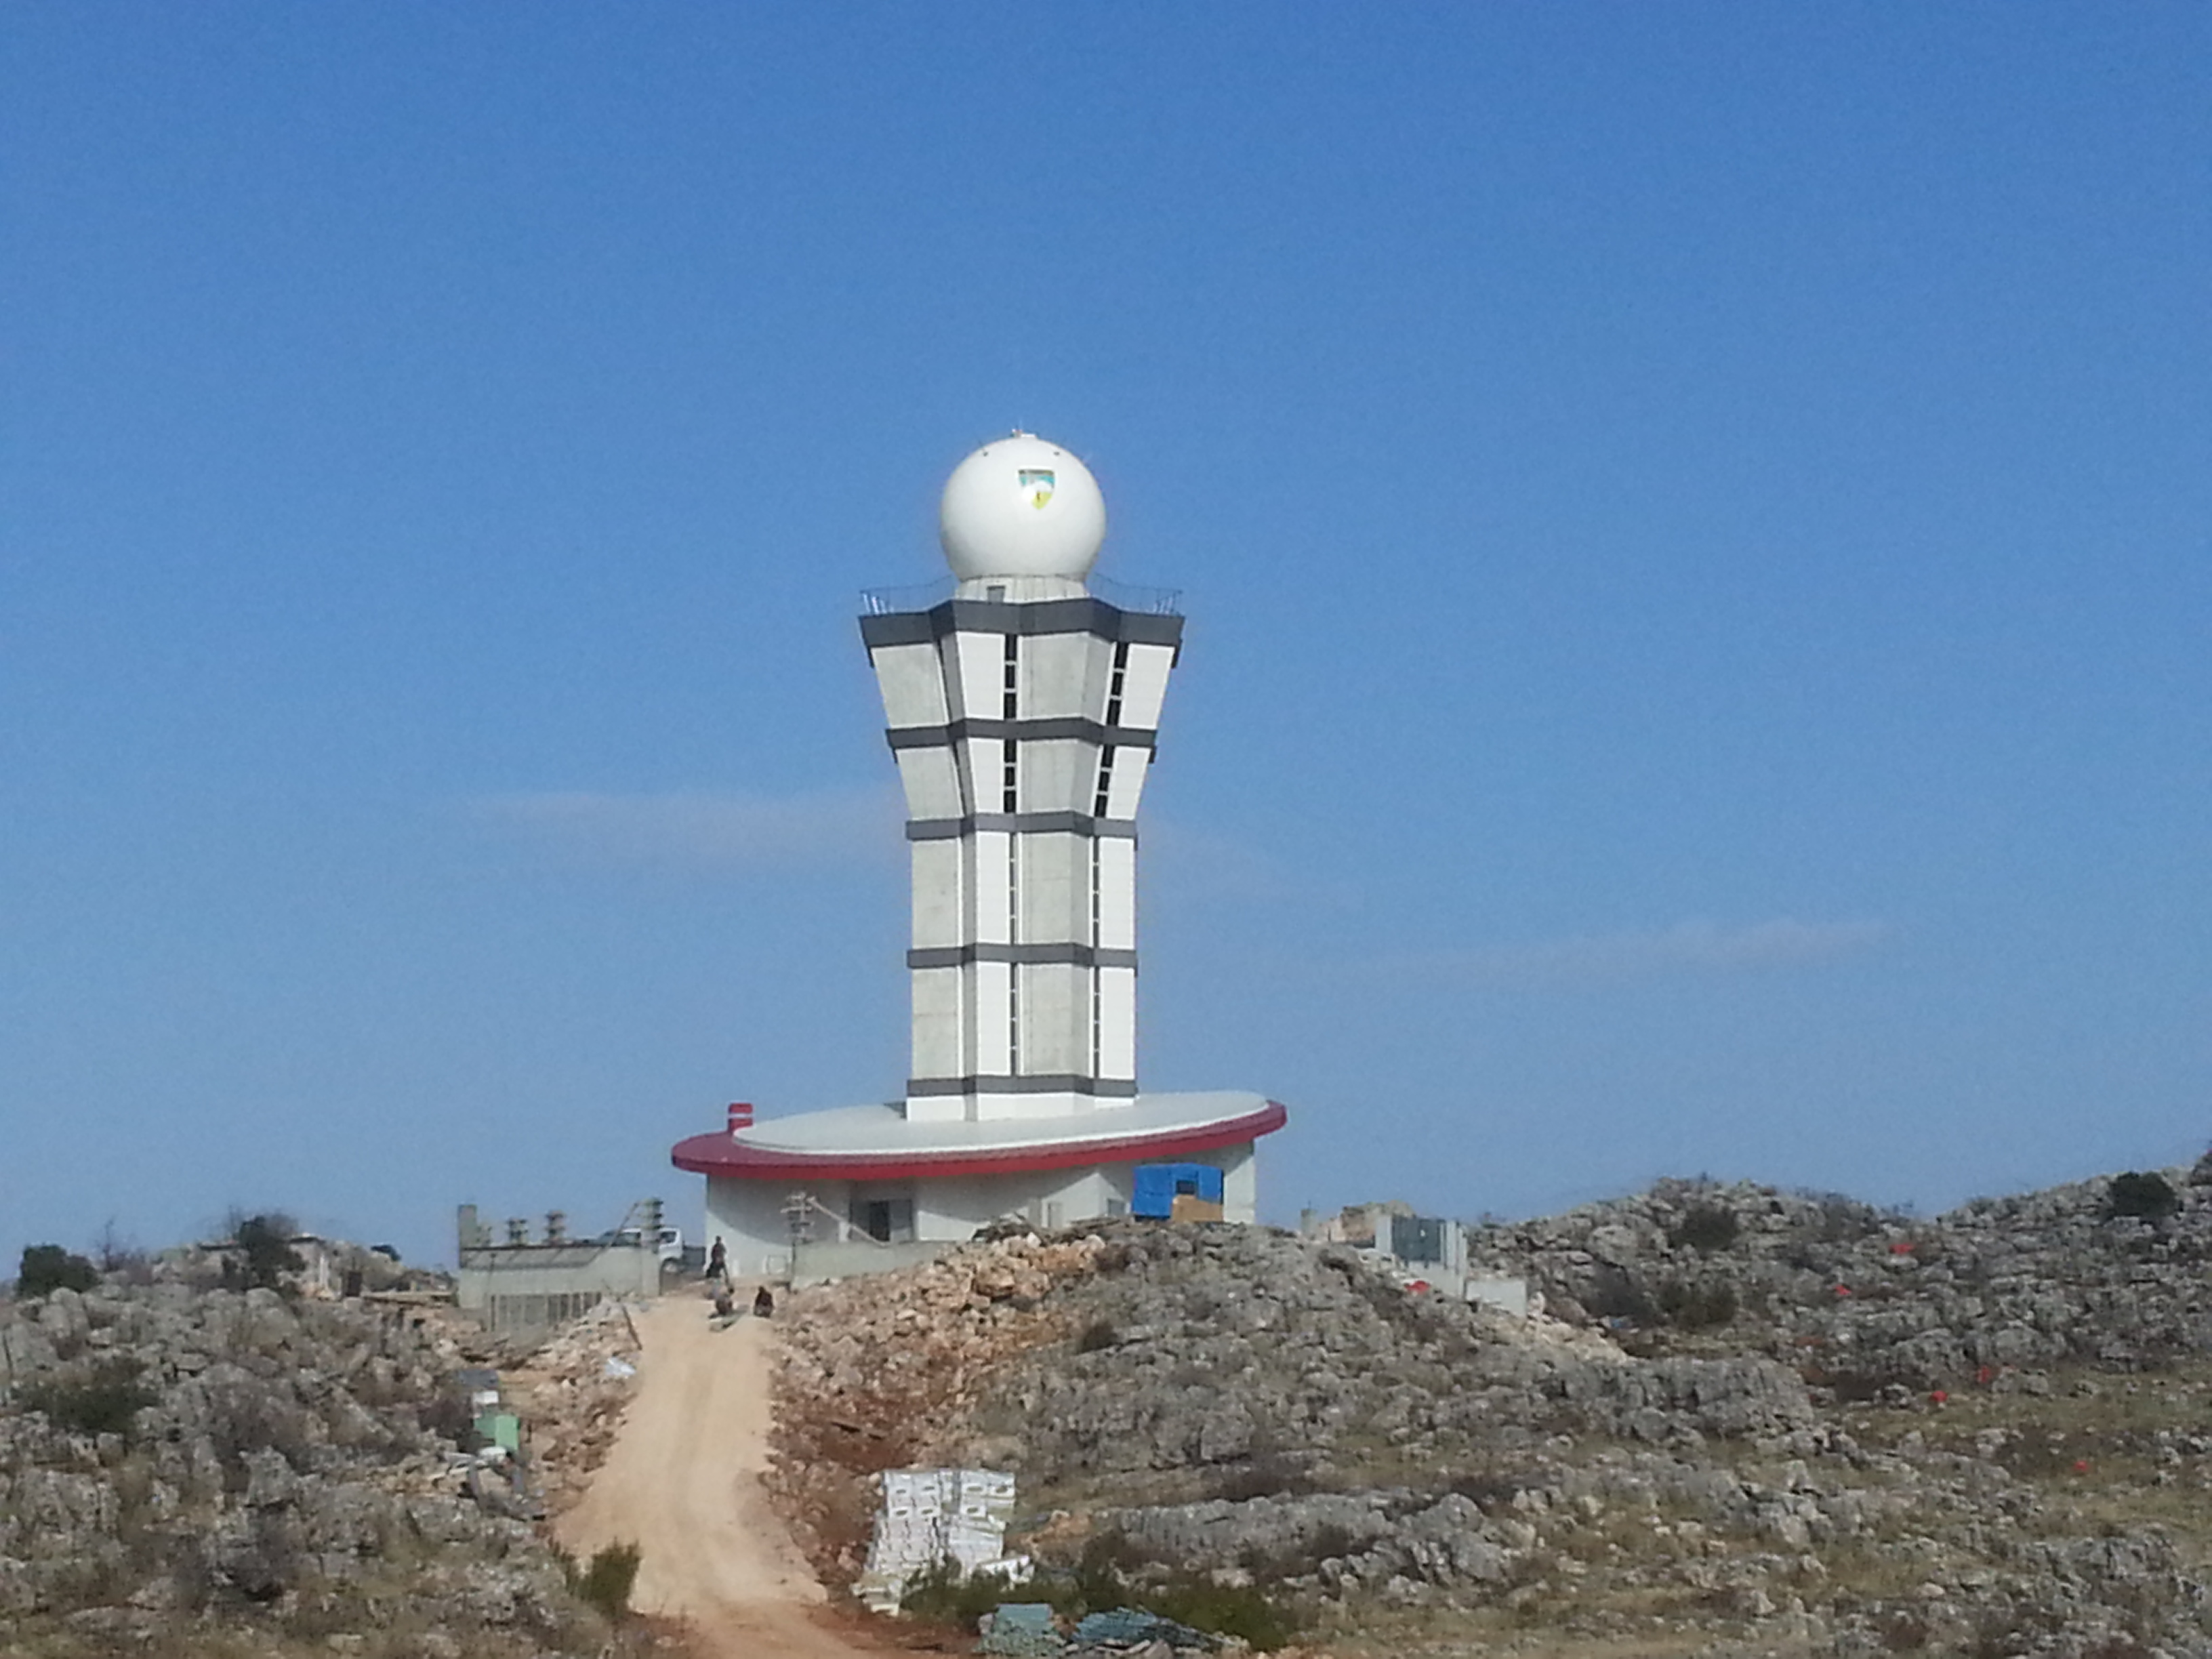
525	1287
820	1262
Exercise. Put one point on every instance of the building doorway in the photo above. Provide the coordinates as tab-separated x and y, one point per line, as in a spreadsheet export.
886	1220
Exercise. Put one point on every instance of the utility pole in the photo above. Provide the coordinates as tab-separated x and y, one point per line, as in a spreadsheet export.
798	1217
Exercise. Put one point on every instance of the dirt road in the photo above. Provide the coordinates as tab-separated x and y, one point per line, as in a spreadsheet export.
683	1484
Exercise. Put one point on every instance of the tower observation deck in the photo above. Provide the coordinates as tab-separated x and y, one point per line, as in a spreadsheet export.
1023	712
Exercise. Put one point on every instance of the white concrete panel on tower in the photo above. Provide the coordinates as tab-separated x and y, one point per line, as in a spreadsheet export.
1117	1023
1055	673
1055	890
938	1050
991	901
939	1108
1055	1003
1061	1104
1117	893
1144	685
992	990
939	882
1021	507
931	778
1130	765
975	668
986	775
1054	774
913	686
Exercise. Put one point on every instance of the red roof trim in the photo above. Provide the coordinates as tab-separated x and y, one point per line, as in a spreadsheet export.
718	1154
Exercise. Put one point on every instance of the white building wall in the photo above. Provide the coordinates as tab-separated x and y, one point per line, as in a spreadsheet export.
1240	1182
748	1215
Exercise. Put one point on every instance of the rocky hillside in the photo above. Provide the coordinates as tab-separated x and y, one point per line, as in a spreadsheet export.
205	1470
1750	1420
2104	1272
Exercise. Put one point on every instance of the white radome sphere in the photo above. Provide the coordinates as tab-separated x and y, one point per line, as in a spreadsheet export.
1021	507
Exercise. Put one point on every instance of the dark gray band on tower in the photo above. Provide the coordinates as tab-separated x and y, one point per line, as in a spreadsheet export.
1060	1084
959	955
1085	615
1063	728
1023	823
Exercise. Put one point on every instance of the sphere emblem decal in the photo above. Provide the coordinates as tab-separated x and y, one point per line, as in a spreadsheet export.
1036	484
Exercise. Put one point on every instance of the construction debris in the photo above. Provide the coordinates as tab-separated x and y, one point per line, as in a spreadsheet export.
931	1516
1022	1630
570	1392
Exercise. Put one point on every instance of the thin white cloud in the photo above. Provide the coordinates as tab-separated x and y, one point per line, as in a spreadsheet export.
700	832
1199	864
1688	947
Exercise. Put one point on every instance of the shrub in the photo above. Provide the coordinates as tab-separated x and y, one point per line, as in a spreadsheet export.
946	1595
48	1267
264	1253
1706	1227
1099	1583
118	1256
1614	1294
1097	1334
2147	1195
1487	1487
1245	1611
104	1402
1694	1307
606	1583
243	1415
1095	1583
448	1414
1265	1474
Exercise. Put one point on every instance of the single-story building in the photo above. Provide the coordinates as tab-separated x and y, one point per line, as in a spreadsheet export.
868	1186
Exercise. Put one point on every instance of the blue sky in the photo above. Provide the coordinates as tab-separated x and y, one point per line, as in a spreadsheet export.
1694	521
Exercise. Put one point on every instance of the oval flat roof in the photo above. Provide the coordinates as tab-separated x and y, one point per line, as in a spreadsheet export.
881	1143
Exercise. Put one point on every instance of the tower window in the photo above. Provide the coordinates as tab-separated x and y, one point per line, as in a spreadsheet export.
1012	779
1114	686
1013	937
1013	673
1105	782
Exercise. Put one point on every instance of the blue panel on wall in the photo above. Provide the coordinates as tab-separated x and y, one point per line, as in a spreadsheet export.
1157	1185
